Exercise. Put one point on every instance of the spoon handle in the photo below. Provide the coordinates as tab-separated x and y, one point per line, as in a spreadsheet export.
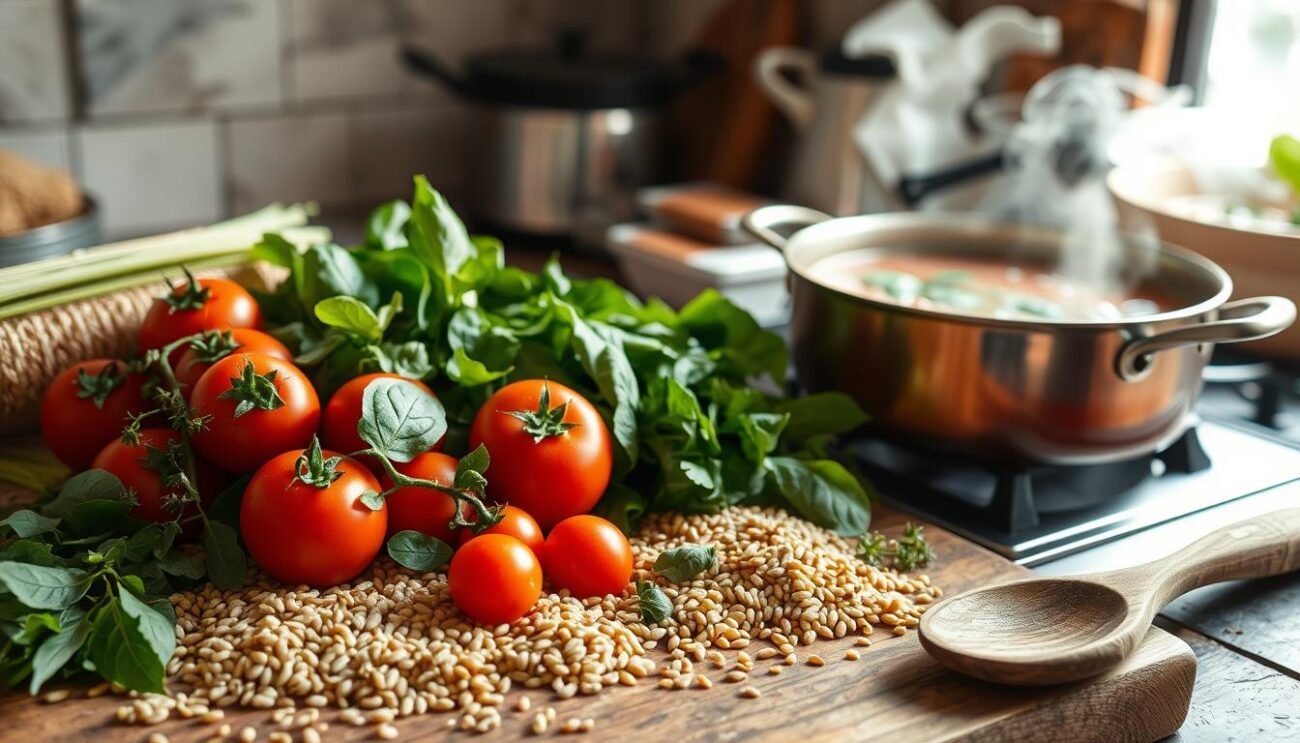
1268	544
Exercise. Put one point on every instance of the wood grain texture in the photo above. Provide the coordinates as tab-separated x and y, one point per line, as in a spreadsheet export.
894	688
1236	699
1066	629
1259	617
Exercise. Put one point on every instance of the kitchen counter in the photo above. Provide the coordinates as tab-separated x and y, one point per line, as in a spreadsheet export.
1246	634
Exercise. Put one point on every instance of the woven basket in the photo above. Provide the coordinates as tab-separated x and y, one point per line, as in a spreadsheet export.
34	348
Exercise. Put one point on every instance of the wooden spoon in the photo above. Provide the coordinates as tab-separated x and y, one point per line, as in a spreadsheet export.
1045	631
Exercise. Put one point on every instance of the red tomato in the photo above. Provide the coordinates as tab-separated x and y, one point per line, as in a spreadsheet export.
495	579
553	465
217	345
258	407
514	522
130	465
587	555
195	306
313	530
343	411
86	406
424	510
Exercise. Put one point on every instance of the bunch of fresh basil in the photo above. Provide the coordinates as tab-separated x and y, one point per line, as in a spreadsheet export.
83	586
423	298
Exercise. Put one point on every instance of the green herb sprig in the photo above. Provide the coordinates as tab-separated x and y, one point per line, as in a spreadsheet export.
906	553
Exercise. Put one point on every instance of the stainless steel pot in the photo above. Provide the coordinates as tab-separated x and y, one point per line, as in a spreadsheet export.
1007	390
564	137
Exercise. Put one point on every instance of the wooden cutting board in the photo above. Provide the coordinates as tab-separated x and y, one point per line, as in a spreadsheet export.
895	692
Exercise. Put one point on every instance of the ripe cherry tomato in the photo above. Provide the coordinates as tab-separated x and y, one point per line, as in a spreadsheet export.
258	407
587	555
130	464
195	306
217	345
516	523
303	525
424	510
495	579
86	406
343	411
554	449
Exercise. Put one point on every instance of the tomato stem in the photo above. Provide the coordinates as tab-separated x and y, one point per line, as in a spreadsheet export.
487	516
179	411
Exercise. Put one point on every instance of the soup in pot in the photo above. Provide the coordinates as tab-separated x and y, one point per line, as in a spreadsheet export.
976	286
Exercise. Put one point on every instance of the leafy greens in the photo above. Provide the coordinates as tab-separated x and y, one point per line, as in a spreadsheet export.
423	298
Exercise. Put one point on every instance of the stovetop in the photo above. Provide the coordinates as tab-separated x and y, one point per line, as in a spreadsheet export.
1246	442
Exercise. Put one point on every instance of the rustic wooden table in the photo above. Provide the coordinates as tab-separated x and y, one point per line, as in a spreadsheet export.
1246	636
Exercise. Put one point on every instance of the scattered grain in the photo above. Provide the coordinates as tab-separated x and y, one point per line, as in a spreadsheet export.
816	660
750	692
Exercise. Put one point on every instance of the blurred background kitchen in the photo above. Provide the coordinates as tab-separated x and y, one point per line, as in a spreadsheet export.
554	122
180	112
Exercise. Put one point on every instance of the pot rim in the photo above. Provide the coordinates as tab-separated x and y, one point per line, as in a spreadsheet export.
965	225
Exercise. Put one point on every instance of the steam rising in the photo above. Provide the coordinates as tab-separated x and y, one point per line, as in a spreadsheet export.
1057	156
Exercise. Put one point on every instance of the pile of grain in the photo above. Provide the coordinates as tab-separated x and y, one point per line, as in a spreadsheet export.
394	645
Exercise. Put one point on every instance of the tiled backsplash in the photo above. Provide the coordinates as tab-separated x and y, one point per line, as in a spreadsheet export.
180	112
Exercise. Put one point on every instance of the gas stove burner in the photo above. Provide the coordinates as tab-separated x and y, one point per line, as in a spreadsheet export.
1040	513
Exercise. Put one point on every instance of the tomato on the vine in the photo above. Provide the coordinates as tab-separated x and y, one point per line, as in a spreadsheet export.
303	520
86	406
495	579
420	508
215	345
587	555
195	306
256	407
557	448
343	412
515	522
138	467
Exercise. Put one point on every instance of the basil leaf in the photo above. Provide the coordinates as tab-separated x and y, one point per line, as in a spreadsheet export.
410	360
54	653
99	516
153	540
225	559
655	606
90	485
33	552
399	419
735	337
818	415
120	652
823	492
481	352
438	237
759	433
159	633
600	351
352	316
190	565
44	587
416	551
27	523
384	228
681	564
331	271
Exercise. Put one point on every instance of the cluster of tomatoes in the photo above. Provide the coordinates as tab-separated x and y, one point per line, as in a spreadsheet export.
303	518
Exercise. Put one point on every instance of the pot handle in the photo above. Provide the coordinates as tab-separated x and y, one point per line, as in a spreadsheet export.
795	102
761	222
1240	320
